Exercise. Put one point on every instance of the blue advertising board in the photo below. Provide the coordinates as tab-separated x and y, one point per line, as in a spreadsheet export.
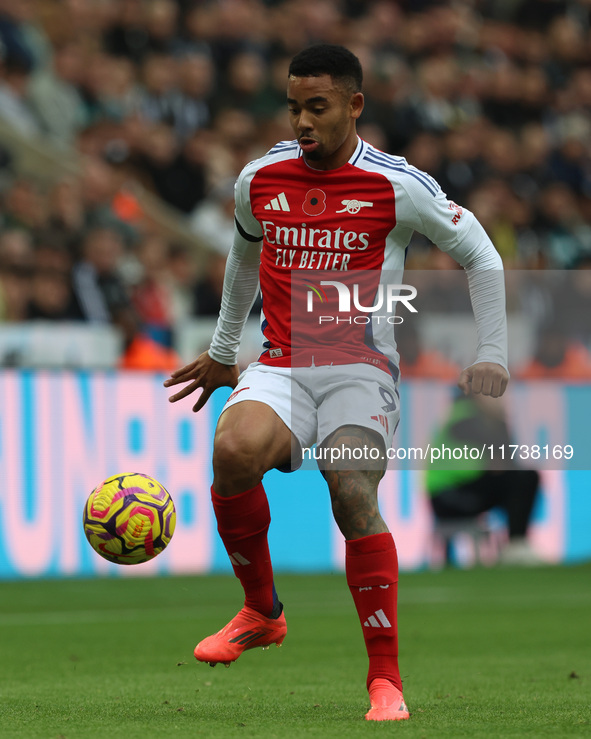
62	433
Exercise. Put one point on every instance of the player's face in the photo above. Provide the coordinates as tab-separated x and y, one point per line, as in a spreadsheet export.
323	117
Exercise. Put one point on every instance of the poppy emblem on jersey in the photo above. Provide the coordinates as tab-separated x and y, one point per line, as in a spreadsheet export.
354	206
315	202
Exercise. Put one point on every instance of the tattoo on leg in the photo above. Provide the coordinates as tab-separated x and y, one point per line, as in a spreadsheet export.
354	492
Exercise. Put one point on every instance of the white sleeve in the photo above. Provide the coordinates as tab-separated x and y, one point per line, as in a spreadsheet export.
241	279
484	269
241	284
422	206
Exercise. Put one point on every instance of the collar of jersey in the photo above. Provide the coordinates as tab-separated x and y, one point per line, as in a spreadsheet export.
353	158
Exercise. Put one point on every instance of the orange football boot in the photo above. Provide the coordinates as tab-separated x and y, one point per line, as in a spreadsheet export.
247	630
387	703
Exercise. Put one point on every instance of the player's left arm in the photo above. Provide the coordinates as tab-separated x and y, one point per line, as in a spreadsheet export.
484	268
456	231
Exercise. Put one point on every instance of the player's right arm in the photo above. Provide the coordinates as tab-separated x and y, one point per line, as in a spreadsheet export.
218	366
205	373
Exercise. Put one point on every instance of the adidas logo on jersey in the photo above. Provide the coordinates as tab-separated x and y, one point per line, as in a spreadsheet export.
378	620
381	419
279	203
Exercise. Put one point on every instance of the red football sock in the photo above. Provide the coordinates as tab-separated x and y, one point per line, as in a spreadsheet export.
243	521
371	566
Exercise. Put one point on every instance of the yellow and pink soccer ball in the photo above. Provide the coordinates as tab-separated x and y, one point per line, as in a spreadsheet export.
129	518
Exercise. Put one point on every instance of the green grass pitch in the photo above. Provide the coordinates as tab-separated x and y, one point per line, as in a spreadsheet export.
484	653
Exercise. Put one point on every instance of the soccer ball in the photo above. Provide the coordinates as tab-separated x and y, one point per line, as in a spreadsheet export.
129	518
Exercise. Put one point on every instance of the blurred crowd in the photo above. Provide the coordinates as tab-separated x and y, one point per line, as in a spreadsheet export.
492	98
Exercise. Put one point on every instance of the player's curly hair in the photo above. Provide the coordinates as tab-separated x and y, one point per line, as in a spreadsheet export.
337	61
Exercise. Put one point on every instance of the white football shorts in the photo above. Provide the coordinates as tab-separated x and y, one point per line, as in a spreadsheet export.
313	402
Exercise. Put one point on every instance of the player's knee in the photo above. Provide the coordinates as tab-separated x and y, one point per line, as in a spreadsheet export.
353	448
235	458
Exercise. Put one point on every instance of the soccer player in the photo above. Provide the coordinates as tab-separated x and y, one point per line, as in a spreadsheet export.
326	201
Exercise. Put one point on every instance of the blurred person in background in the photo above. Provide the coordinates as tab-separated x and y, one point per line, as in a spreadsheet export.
183	271
501	156
66	210
225	29
528	244
16	248
270	100
491	203
390	104
237	138
155	95
54	95
16	266
100	291
441	285
177	173
52	295
244	84
15	292
501	96
22	33
464	488
535	171
566	236
151	296
191	103
208	289
15	108
99	185
161	25
568	46
557	356
25	207
419	363
462	165
115	89
105	297
212	221
127	34
437	104
572	301
570	161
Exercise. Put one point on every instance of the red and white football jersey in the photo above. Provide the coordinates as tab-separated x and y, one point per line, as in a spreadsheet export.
325	247
357	218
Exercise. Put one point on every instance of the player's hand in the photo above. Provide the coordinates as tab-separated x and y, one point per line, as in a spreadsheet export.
486	378
204	373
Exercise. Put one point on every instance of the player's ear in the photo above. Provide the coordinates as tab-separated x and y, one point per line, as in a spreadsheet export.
356	104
